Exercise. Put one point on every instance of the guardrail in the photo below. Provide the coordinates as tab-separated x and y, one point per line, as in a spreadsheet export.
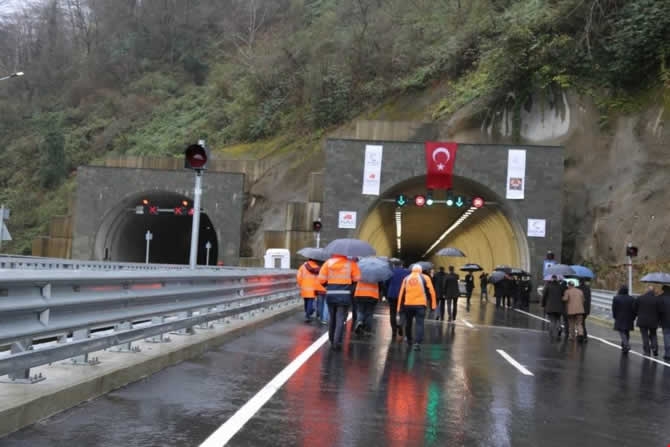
13	262
68	305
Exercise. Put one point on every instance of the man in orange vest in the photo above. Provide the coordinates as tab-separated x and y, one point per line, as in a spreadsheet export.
308	281
416	293
366	297
338	275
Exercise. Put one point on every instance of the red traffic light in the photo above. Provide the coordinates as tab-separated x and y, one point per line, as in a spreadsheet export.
153	209
316	226
419	200
631	252
195	157
178	211
191	211
477	202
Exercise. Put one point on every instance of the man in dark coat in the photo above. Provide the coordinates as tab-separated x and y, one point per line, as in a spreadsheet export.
623	311
586	290
452	291
526	287
440	285
498	292
646	309
469	286
483	284
664	311
507	290
552	301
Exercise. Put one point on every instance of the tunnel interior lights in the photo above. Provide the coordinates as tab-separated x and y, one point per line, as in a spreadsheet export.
398	229
449	230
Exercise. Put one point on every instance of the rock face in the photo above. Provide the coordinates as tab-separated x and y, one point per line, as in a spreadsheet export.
616	176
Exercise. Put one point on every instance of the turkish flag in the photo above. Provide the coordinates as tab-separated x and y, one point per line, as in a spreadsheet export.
440	159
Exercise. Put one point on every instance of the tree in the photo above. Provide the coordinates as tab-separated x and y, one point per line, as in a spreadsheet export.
52	169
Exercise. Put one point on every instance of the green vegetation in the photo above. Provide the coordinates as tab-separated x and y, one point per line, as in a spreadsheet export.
147	77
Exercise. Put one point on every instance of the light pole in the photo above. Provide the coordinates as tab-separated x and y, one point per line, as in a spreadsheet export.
13	75
147	237
208	245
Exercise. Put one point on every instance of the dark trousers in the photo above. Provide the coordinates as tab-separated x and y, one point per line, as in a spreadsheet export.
393	314
649	338
338	317
586	334
440	309
484	293
625	339
452	306
507	301
412	313
365	313
554	325
666	342
499	301
354	310
468	294
566	326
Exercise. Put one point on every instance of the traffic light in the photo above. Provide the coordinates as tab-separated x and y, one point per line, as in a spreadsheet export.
631	251
401	200
316	226
153	210
450	198
195	157
419	200
460	201
477	202
429	198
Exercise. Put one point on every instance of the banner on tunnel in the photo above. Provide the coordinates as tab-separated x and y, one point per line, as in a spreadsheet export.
440	160
372	170
516	174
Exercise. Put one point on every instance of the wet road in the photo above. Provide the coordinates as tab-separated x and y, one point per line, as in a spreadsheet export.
459	390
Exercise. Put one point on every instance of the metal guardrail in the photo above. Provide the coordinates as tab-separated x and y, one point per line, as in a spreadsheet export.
13	262
39	305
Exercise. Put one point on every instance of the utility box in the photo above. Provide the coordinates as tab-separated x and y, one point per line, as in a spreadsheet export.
277	258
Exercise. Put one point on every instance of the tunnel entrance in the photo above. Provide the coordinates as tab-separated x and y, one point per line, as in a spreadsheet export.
488	236
121	236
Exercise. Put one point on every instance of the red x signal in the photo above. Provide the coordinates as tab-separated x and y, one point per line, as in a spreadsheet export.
153	209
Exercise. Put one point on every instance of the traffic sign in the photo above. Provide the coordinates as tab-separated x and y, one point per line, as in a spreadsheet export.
4	233
419	200
459	201
478	202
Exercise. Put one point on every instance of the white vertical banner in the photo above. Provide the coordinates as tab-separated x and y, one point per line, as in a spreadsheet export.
372	170
516	174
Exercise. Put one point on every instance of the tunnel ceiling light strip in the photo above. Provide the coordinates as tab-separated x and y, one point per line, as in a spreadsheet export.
398	229
455	225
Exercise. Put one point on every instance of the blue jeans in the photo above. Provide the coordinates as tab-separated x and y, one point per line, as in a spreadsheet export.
412	313
309	307
338	318
321	307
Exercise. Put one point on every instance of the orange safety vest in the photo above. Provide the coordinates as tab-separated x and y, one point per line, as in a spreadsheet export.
309	282
413	293
338	270
367	290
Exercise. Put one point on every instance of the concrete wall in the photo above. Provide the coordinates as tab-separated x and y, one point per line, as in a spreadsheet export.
484	164
102	190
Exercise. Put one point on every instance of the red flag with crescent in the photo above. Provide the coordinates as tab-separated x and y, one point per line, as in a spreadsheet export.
440	159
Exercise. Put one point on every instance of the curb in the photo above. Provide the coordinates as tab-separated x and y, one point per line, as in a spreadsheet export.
70	395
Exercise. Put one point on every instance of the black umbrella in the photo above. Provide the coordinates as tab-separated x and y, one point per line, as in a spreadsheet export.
318	254
451	252
503	268
496	276
518	272
471	268
354	248
374	270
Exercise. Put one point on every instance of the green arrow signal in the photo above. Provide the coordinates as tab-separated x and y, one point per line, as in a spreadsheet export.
459	201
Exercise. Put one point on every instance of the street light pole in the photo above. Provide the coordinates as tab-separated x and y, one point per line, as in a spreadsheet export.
195	230
208	245
630	271
13	75
148	237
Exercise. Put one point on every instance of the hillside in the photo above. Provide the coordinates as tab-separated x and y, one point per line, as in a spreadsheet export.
258	78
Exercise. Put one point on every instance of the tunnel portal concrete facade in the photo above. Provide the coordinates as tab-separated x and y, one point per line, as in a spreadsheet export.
103	191
484	164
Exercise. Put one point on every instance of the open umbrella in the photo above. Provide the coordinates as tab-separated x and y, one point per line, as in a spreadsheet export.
560	269
583	272
354	248
496	276
450	251
471	268
656	278
374	270
548	277
503	268
518	272
318	254
425	265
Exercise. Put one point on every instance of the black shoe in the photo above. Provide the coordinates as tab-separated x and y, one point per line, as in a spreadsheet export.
580	339
656	353
400	332
667	359
417	347
358	330
647	353
625	350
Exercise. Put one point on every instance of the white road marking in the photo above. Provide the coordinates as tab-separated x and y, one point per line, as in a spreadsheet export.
468	324
514	363
233	425
607	342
